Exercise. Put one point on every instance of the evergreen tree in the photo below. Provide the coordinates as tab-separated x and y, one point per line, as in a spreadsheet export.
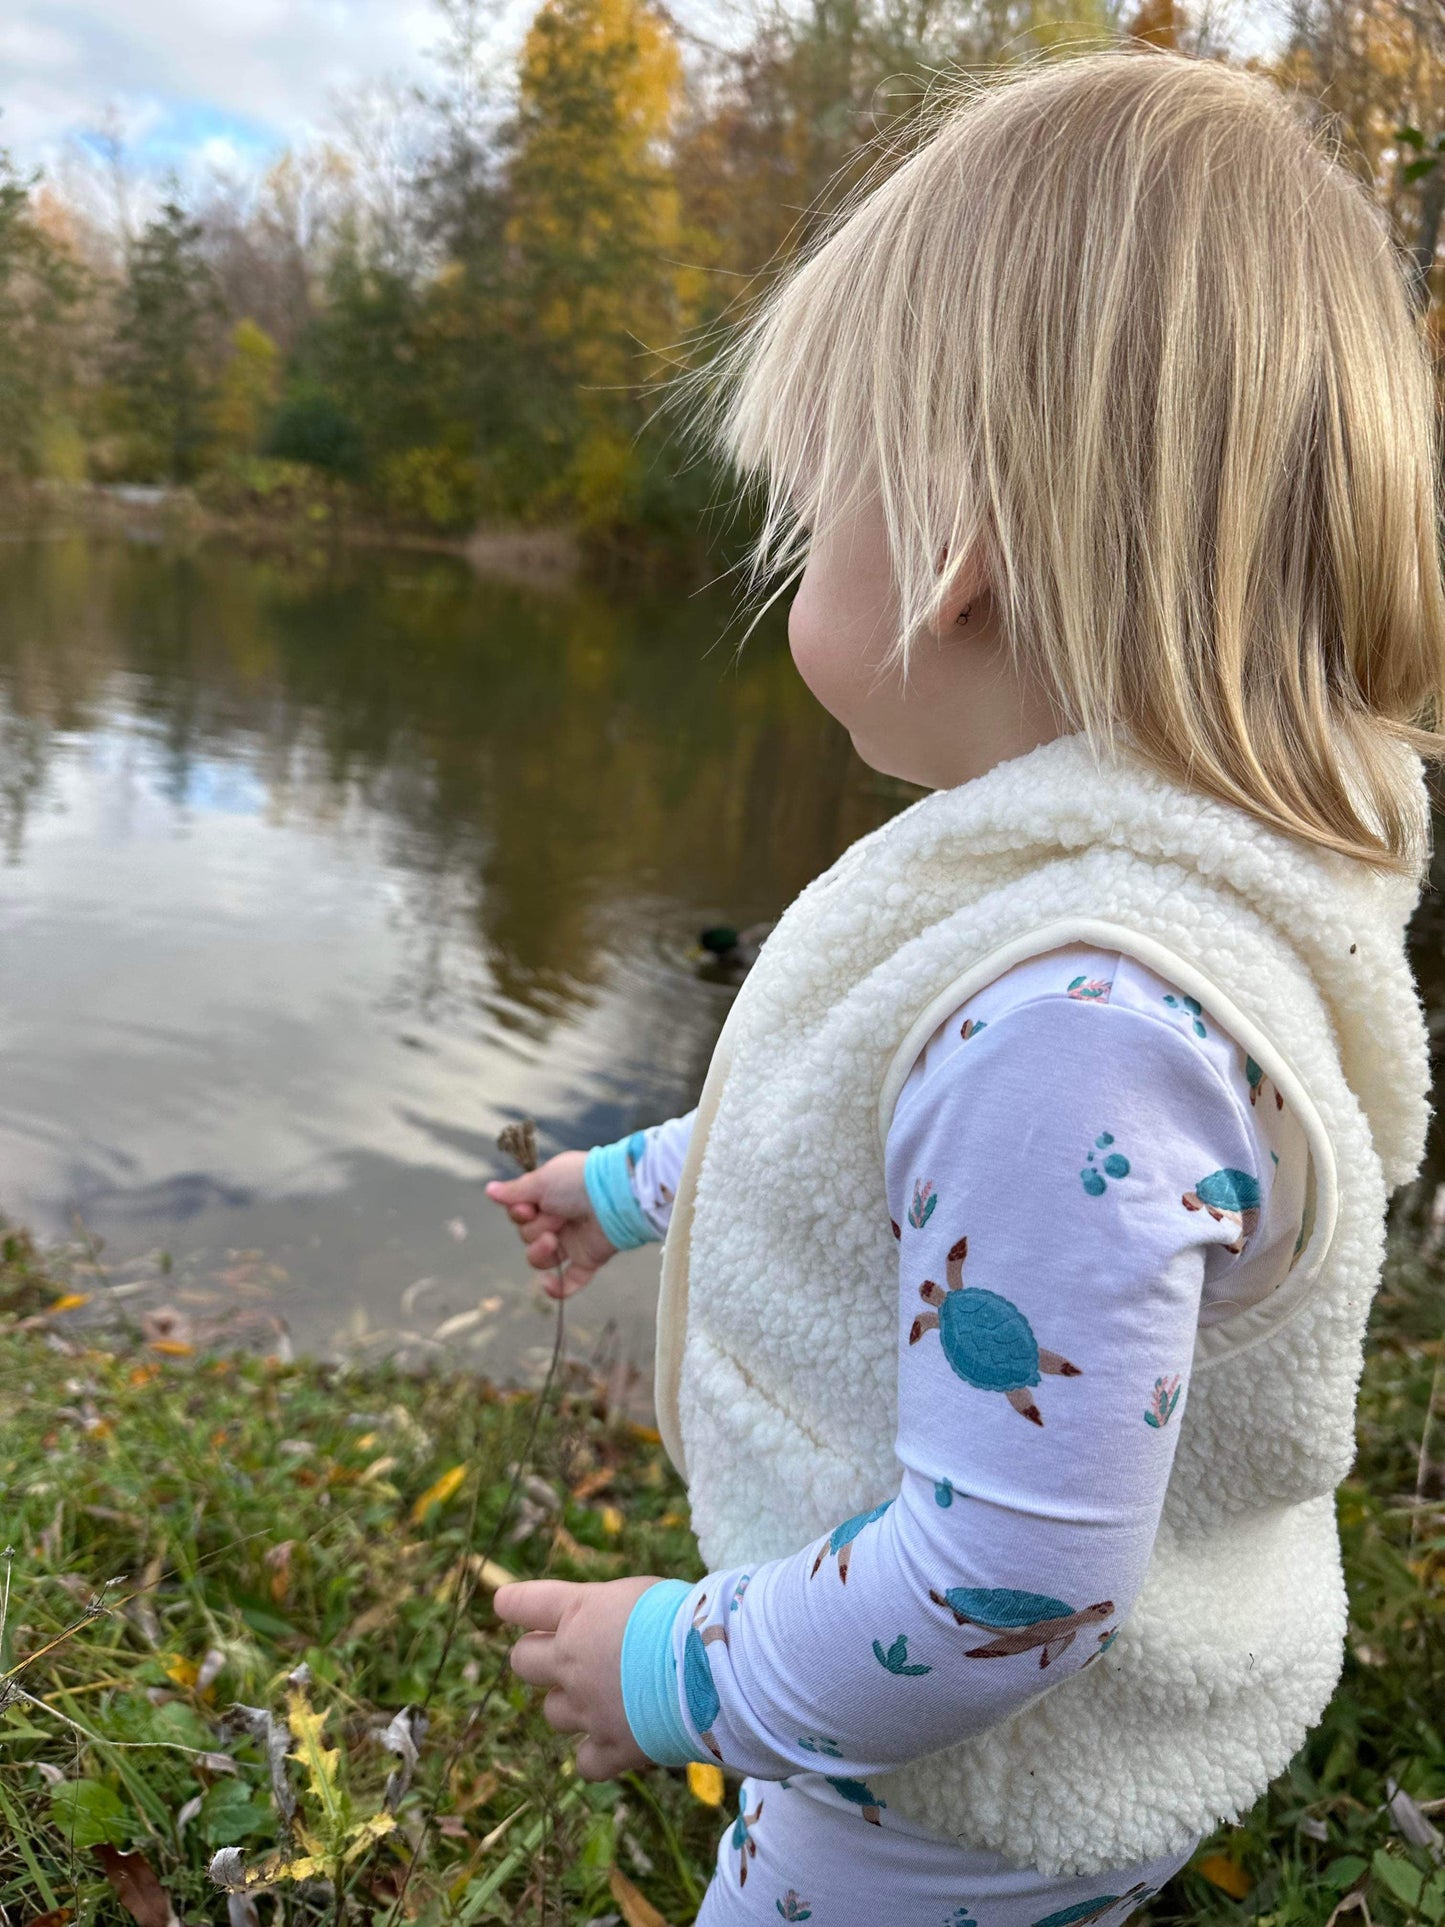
164	342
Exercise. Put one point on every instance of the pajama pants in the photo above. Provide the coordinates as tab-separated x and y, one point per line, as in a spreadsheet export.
799	1851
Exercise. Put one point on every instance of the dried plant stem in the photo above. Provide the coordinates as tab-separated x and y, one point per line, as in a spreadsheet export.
518	1142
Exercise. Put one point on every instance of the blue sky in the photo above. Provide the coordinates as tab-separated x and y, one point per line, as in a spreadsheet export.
192	81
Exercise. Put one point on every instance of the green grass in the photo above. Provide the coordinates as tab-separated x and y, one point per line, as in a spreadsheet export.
188	1531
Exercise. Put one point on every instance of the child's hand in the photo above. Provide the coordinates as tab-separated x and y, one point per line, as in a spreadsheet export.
573	1646
550	1208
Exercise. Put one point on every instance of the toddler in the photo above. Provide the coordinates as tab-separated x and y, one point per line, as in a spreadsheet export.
1019	1251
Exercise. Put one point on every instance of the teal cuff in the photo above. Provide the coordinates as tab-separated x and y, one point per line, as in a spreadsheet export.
650	1696
608	1177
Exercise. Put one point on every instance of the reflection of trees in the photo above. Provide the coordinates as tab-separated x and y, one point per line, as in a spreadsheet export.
539	765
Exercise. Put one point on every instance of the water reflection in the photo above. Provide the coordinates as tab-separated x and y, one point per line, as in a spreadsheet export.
315	876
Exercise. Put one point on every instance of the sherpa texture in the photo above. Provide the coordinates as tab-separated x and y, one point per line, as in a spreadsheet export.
776	1343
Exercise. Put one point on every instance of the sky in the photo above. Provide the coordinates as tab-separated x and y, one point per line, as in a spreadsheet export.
220	82
226	84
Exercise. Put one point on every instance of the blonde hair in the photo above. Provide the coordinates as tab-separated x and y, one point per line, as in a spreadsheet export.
1123	332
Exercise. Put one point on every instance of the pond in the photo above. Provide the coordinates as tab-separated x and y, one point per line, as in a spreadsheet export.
315	875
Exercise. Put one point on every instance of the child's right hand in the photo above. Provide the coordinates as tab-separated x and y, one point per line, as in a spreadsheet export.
554	1216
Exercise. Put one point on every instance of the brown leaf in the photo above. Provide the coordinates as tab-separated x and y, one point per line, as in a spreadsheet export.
57	1917
637	1910
137	1887
595	1482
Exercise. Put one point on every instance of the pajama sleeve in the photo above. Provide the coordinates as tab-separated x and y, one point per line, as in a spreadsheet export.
631	1184
1058	1187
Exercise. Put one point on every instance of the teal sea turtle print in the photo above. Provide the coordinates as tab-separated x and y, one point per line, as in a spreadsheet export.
820	1743
1258	1083
858	1795
1228	1194
1022	1620
961	1917
986	1339
1085	1912
839	1541
895	1659
792	1906
742	1837
703	1702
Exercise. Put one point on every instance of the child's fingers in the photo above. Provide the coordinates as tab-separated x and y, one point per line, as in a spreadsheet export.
536	1225
536	1605
534	1659
572	1280
543	1251
559	1713
523	1190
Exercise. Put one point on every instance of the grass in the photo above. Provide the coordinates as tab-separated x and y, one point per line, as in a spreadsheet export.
189	1531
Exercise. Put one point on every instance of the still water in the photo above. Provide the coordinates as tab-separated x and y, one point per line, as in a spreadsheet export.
314	877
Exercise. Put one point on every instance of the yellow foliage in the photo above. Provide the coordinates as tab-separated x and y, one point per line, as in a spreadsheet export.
445	1488
247	389
705	1783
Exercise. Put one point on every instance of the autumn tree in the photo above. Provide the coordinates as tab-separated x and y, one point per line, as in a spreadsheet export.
593	228
40	286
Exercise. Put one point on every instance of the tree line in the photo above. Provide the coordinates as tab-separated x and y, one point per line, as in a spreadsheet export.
467	304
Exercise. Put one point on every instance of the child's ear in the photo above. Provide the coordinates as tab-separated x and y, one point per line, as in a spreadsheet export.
967	597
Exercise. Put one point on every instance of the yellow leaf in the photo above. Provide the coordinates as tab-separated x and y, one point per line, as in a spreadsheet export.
636	1910
646	1434
673	1519
1226	1874
611	1517
173	1348
320	1762
367	1833
184	1672
705	1783
72	1301
446	1486
492	1575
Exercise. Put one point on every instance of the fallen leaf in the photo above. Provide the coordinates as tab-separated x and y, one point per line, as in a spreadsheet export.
445	1488
1410	1822
180	1670
594	1483
369	1622
71	1301
705	1783
403	1737
137	1887
57	1917
172	1348
1226	1874
646	1434
612	1519
637	1910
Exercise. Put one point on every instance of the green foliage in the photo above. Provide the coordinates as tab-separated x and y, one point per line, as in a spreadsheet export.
168	312
246	1559
313	429
432	487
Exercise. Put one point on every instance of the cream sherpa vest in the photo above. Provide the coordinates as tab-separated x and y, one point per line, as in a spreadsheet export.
777	1326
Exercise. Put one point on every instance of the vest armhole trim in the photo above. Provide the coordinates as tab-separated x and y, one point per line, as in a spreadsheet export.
1255	1322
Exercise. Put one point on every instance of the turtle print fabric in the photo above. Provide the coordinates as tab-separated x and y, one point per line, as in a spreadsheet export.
1075	1183
796	1855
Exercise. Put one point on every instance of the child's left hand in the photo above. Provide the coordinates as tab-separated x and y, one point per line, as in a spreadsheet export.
572	1645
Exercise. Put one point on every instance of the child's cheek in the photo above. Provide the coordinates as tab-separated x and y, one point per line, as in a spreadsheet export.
821	656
